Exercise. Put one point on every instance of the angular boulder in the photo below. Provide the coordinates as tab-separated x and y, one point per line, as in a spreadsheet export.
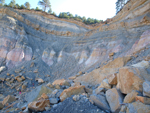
130	97
115	99
105	84
72	91
131	78
100	101
112	79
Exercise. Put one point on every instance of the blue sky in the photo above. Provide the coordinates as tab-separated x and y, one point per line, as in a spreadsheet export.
99	9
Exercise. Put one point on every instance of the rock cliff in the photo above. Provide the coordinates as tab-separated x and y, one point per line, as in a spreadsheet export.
41	47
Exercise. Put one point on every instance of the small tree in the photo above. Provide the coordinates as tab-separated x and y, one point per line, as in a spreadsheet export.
37	9
17	6
54	13
27	5
45	4
60	15
22	7
50	11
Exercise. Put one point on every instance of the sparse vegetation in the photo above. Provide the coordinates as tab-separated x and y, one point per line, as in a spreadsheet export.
27	5
68	15
46	7
45	4
120	4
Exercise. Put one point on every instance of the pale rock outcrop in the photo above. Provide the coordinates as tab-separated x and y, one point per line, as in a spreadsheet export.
142	43
18	55
60	56
83	57
71	91
131	78
48	56
95	56
115	99
144	64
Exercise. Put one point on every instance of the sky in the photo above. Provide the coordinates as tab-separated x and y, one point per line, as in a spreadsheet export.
97	9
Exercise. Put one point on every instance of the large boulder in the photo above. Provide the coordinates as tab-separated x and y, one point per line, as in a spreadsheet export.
146	88
72	91
138	107
100	101
131	78
115	99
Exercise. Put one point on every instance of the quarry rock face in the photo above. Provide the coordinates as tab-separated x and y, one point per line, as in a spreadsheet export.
54	65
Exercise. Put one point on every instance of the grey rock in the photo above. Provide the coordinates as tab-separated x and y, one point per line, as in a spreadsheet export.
53	100
146	88
100	101
115	99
